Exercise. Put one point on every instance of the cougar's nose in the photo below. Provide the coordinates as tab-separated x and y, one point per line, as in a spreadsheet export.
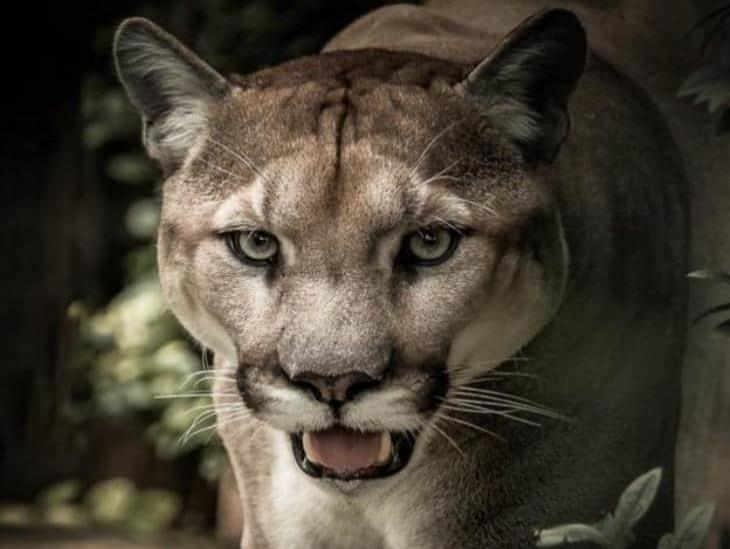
335	390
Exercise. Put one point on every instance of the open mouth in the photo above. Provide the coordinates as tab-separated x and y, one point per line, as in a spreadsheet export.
346	454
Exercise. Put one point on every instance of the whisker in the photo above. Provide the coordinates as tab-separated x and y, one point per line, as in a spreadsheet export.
426	150
257	430
212	379
185	437
451	226
190	377
442	175
470	425
513	405
487	209
204	375
495	401
234	417
471	365
466	388
196	395
447	437
204	358
498	373
475	392
479	411
214	374
236	176
510	405
492	372
490	401
241	158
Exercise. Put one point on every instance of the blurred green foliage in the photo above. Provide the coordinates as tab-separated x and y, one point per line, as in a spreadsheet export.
710	83
615	530
130	354
115	504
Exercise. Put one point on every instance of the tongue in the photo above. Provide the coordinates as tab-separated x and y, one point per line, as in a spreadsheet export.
345	450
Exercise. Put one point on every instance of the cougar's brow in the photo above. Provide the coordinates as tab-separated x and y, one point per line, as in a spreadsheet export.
248	207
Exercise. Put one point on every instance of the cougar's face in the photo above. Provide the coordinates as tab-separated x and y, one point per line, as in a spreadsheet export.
348	263
357	233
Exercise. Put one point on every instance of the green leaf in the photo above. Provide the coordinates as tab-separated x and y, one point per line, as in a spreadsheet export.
142	218
616	532
607	525
66	515
693	529
712	276
111	501
132	169
710	84
154	511
571	533
17	515
637	498
63	492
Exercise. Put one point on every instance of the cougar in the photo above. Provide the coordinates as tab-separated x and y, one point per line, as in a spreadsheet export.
445	293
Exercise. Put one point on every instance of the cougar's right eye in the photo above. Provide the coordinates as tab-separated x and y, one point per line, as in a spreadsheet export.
257	248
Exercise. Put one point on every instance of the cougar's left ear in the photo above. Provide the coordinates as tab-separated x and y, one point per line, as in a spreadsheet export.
525	82
169	85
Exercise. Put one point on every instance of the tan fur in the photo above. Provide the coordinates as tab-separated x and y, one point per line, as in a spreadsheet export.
340	156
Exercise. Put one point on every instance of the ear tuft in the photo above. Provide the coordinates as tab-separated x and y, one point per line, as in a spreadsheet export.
525	83
169	85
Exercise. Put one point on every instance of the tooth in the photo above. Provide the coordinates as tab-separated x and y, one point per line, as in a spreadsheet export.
386	448
307	444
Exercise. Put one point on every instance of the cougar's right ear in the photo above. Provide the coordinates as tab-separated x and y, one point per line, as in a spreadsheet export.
524	84
170	86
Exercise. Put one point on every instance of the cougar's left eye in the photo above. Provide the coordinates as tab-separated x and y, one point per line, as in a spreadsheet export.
430	245
253	247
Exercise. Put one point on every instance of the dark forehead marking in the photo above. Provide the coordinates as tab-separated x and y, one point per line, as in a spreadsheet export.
337	176
332	113
330	100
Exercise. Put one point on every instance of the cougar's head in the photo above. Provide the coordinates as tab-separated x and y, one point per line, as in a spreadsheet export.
355	233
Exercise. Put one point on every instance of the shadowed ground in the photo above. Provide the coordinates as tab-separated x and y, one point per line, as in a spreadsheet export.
62	539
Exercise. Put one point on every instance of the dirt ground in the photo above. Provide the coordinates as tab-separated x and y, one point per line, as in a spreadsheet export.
59	539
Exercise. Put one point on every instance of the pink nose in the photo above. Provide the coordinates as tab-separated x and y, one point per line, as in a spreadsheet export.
335	389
